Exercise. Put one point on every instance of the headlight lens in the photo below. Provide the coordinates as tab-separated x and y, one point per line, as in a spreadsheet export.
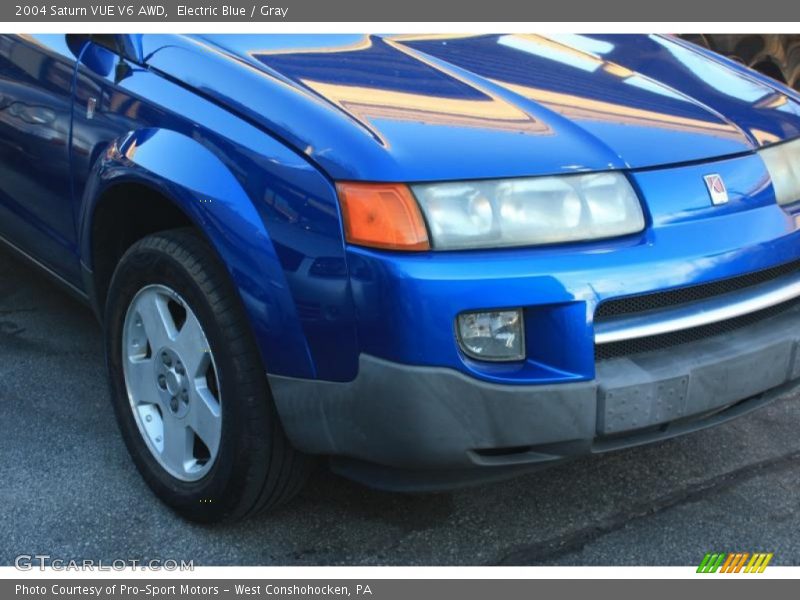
529	211
783	165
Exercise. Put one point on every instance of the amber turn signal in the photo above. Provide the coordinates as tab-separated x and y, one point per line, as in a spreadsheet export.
382	215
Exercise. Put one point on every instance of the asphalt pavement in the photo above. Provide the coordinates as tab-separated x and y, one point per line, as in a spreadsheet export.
68	488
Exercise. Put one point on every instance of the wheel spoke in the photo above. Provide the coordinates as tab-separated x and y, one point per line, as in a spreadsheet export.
205	418
177	450
191	344
158	323
141	382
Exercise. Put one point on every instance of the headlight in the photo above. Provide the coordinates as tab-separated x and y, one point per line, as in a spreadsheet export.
529	211
783	165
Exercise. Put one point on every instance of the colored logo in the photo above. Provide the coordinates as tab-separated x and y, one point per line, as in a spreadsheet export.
734	562
716	188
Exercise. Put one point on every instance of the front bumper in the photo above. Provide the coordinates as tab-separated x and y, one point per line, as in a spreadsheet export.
410	427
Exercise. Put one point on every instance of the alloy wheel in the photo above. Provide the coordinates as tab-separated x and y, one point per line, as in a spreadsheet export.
172	382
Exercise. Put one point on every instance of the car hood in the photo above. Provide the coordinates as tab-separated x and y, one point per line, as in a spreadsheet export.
425	107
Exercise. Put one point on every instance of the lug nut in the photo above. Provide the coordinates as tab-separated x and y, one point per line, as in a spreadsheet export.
162	382
166	359
179	369
173	404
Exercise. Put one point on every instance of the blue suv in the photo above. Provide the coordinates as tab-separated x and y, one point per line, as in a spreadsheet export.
437	260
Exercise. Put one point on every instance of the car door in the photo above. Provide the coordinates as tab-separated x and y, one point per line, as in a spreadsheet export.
36	203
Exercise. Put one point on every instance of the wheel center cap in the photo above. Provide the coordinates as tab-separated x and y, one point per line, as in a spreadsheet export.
174	383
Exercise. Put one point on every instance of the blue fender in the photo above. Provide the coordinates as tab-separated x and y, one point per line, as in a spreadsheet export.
201	185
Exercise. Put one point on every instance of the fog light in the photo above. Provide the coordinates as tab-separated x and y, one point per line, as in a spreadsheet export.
492	335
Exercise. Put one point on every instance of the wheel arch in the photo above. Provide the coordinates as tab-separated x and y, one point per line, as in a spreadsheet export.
124	213
133	192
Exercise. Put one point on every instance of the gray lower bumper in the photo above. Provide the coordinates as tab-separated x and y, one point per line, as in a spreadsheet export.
415	419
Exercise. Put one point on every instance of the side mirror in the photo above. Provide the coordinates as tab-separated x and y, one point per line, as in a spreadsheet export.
102	53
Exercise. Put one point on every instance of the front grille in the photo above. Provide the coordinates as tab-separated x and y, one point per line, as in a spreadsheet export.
633	305
676	338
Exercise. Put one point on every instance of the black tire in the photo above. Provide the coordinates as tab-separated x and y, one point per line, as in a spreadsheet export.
256	468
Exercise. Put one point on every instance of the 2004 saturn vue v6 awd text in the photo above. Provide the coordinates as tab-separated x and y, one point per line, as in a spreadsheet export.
435	259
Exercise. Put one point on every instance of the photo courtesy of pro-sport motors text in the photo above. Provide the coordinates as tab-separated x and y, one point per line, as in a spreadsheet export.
149	590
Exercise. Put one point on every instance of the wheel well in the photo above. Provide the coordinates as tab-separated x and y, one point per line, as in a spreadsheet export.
125	214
